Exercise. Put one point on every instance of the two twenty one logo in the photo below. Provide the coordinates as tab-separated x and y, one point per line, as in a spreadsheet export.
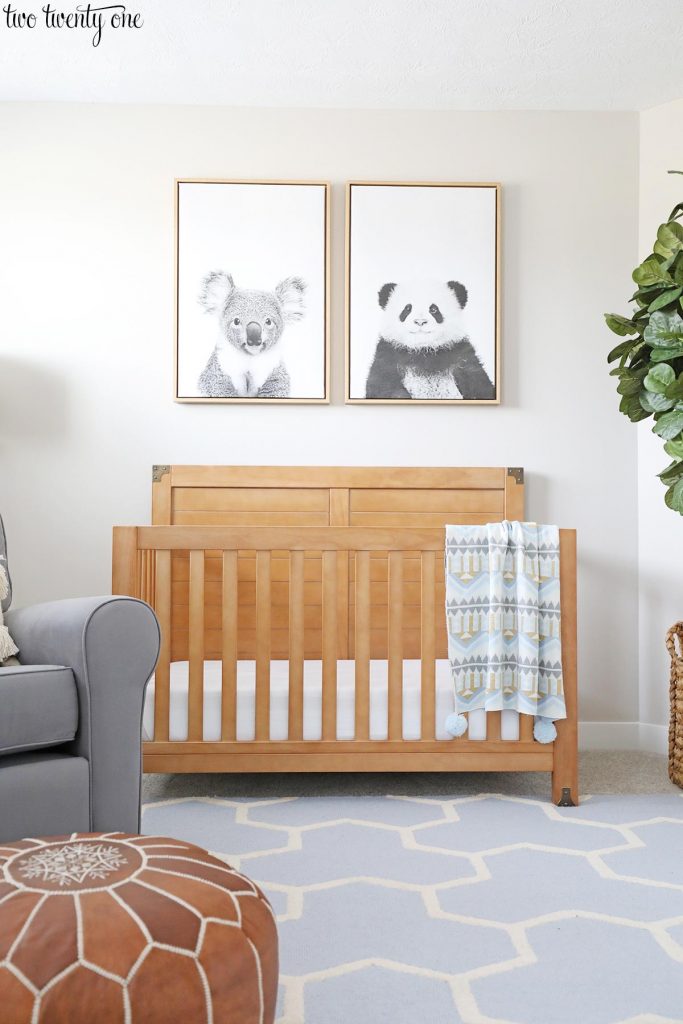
85	16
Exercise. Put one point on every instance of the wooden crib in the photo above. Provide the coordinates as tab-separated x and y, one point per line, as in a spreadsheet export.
264	565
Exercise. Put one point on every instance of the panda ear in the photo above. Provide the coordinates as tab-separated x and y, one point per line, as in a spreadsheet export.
217	288
384	294
460	292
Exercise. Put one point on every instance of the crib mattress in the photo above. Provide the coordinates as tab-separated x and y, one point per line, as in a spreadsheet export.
312	725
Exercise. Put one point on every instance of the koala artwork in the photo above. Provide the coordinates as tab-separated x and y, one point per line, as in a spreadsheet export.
248	359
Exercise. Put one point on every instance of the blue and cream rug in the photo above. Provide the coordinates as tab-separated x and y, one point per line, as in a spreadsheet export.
472	910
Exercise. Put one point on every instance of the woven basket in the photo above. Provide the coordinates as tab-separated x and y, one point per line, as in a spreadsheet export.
676	696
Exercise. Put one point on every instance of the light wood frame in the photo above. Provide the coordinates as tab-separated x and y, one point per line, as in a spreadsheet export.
362	580
326	185
347	295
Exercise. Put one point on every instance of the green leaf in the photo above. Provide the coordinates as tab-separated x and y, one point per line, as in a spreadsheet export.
664	298
677	497
673	472
631	381
670	424
620	324
675	389
674	448
651	272
669	498
631	407
630	386
652	402
663	328
622	349
670	236
661	355
645	290
636	355
659	378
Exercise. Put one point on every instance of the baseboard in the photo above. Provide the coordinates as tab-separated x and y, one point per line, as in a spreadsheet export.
654	738
609	735
623	736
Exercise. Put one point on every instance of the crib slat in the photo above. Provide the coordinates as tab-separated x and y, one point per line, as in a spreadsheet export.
395	645
362	646
229	647
428	648
295	729
162	676
262	645
196	647
153	589
493	725
526	728
149	577
329	652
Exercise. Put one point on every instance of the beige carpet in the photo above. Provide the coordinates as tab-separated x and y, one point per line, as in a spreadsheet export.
601	771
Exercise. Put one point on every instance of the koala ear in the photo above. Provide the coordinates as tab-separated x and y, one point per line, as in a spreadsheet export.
384	294
216	289
460	292
290	295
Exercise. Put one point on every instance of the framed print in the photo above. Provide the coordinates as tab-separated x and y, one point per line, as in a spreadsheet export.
252	284
422	287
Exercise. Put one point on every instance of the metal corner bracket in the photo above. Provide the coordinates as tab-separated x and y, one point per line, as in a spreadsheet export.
158	472
517	472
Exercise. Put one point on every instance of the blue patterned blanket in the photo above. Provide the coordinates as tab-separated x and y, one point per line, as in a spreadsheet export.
503	619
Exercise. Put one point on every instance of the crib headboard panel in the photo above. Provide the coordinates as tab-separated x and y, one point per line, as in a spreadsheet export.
393	497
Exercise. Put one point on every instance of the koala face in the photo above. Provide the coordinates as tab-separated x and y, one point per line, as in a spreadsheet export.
251	320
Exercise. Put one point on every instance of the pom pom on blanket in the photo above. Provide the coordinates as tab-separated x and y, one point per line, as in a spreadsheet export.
544	730
7	645
456	724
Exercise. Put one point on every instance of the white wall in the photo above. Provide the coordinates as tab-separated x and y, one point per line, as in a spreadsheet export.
660	531
86	258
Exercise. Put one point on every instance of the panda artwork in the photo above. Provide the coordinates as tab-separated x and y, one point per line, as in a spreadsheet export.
424	351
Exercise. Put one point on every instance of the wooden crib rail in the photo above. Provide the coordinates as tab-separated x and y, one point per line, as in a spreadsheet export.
286	538
364	562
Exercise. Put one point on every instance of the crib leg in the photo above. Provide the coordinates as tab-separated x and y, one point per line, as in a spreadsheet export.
565	765
565	747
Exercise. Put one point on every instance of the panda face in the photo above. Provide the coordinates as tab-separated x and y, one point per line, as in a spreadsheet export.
423	314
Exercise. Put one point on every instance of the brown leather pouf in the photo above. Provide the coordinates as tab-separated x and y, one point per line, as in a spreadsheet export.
131	929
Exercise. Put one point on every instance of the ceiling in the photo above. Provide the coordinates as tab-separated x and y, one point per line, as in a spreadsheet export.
449	54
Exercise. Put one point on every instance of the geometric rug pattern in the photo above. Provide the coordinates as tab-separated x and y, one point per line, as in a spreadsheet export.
473	910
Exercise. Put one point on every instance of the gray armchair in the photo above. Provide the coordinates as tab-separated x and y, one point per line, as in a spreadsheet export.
71	714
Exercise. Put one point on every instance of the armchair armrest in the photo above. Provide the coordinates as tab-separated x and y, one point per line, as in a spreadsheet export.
112	645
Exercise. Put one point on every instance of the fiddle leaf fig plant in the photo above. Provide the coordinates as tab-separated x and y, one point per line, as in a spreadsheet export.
649	361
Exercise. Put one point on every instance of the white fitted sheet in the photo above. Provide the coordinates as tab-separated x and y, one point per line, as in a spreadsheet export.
279	692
